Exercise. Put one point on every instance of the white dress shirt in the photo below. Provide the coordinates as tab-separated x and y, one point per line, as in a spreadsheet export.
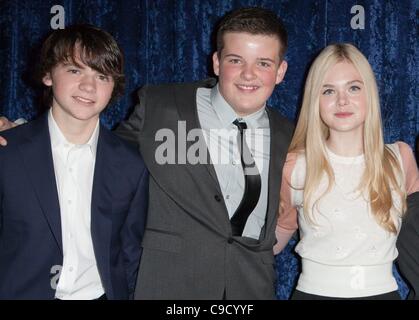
216	117
74	167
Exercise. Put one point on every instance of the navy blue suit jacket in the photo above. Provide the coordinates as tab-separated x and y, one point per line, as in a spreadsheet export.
30	222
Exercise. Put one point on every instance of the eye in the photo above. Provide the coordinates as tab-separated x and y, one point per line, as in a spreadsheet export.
234	61
103	77
354	88
73	71
264	64
328	92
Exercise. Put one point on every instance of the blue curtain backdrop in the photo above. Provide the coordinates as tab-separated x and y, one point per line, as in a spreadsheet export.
170	41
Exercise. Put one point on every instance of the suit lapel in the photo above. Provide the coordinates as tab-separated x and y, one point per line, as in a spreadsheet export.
184	100
101	203
278	152
38	161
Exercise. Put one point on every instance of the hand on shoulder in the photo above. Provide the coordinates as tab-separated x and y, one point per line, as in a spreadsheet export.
5	124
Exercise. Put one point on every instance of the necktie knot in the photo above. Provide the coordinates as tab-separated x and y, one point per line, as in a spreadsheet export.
240	125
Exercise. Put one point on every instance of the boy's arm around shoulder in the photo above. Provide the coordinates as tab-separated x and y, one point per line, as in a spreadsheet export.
131	128
408	239
5	124
408	245
157	104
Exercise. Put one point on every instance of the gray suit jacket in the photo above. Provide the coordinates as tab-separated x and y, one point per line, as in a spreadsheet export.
188	248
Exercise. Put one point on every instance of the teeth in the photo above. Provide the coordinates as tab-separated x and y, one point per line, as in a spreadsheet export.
84	100
247	87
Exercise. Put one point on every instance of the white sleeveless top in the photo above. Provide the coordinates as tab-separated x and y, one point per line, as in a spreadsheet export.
346	253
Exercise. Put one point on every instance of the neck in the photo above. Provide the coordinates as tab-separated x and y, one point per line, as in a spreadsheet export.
74	130
346	144
247	113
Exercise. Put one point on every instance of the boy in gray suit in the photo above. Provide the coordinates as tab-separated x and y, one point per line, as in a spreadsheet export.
211	224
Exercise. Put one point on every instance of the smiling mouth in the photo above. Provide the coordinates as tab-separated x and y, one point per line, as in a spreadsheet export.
83	100
343	114
247	88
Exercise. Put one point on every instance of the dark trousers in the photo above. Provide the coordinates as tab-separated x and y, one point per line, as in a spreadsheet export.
102	297
299	295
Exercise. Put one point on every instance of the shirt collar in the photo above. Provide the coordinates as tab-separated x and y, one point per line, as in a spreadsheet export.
58	139
227	115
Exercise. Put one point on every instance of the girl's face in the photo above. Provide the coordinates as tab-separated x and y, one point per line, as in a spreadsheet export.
343	100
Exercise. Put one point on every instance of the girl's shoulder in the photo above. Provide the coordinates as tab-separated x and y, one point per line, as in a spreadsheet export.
402	150
292	159
408	164
295	155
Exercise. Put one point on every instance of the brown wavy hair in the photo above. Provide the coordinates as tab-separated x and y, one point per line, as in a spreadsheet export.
94	47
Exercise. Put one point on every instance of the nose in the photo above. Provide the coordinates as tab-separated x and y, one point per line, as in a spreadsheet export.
342	99
248	72
88	84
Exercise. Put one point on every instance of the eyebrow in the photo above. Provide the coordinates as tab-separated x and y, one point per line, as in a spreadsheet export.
348	83
72	64
238	56
266	59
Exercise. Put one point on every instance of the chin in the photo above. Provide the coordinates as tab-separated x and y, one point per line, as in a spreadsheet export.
248	107
245	111
345	129
84	117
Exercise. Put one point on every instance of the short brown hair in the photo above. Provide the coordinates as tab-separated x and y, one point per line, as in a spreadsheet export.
256	21
97	49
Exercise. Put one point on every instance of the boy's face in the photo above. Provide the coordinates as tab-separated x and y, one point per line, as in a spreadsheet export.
79	92
248	69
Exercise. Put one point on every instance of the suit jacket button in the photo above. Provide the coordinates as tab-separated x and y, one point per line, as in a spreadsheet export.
217	198
230	240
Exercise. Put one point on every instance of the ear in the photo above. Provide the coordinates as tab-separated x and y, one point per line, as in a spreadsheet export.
216	63
47	80
280	73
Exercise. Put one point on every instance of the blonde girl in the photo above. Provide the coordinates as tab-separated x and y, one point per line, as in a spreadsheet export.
343	185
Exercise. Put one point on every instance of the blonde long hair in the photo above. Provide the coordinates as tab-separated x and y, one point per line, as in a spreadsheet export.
382	168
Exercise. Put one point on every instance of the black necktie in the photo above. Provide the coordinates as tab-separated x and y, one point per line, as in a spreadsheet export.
252	183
